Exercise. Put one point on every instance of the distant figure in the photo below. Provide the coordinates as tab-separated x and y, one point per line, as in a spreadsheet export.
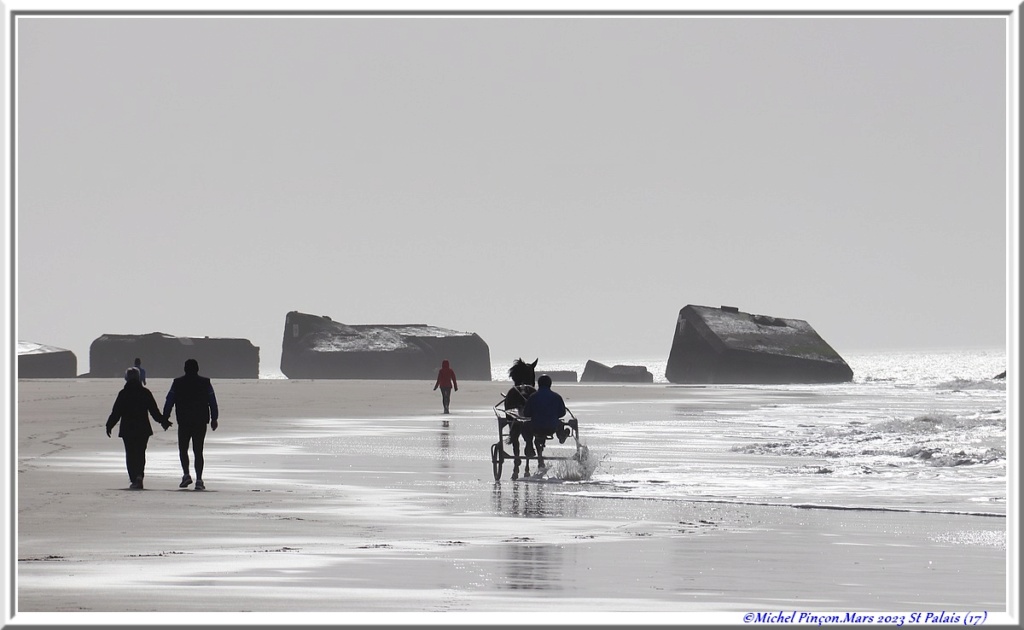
196	406
142	372
446	381
545	408
130	408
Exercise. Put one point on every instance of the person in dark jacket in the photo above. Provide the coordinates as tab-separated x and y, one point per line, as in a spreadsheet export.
545	408
446	381
195	406
131	407
142	371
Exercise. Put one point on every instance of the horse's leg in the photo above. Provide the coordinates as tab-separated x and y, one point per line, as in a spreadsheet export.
513	438
513	435
528	442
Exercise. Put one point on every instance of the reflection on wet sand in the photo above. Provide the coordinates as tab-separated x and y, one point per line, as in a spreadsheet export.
524	499
535	499
533	566
445	442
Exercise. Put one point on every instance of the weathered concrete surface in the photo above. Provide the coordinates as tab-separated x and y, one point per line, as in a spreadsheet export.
594	372
317	347
163	356
724	345
562	376
36	360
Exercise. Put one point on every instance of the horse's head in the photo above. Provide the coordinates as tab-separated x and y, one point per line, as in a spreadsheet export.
523	373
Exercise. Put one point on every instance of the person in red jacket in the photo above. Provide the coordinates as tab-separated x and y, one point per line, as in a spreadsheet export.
446	381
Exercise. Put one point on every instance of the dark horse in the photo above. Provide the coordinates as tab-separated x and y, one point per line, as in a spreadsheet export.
524	376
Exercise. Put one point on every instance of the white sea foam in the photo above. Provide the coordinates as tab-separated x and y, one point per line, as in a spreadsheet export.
933	439
960	384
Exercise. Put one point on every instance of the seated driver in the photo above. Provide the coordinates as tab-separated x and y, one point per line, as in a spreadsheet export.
545	408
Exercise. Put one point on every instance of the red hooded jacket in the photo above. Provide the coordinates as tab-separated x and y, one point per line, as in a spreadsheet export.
446	376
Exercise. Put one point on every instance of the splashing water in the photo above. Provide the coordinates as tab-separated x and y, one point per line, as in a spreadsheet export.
576	469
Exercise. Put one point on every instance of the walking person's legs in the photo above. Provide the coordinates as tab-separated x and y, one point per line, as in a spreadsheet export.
184	436
198	440
135	457
129	460
140	458
446	397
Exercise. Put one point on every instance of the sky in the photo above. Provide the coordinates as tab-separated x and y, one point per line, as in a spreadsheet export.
560	186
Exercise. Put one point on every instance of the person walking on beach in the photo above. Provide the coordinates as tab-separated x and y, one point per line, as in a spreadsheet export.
196	406
131	407
545	408
446	381
142	371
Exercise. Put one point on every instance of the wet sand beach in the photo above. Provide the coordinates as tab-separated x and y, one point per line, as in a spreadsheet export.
344	499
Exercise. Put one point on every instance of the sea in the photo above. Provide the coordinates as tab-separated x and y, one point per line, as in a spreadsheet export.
914	431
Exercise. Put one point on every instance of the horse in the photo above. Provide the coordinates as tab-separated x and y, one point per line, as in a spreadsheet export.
523	376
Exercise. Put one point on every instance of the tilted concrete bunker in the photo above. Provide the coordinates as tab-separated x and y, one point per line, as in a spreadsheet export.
318	347
724	345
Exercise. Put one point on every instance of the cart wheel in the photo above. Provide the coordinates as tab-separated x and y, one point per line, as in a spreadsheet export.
497	458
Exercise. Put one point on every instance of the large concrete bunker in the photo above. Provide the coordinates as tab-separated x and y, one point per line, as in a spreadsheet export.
164	356
724	345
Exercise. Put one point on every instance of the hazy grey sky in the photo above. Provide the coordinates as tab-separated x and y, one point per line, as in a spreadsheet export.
560	186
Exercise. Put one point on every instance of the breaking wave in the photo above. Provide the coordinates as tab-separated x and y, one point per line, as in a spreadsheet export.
963	384
935	439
